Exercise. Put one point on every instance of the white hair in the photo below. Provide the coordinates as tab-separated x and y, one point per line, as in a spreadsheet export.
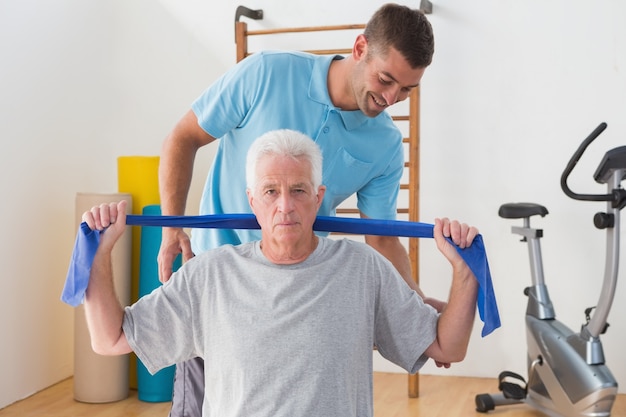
284	142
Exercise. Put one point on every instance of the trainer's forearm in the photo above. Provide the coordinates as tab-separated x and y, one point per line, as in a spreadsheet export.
392	249
178	154
103	311
175	173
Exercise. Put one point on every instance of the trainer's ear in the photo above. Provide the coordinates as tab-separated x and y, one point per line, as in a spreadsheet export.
359	49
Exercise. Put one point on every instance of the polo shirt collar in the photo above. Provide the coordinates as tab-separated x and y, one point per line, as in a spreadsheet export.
318	91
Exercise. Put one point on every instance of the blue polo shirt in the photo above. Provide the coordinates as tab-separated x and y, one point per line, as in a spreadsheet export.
288	90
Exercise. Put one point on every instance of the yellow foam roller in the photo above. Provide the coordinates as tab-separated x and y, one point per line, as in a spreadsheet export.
139	177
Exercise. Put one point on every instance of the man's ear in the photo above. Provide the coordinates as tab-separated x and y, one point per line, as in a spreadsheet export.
320	195
359	50
250	198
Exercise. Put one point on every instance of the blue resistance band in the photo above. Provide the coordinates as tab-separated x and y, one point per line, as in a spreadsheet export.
475	256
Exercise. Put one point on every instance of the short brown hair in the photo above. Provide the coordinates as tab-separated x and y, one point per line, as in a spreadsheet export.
405	29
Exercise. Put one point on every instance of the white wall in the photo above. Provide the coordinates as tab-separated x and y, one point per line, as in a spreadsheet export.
514	87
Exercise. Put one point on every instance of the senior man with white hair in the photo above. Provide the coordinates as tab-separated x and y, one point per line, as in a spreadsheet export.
286	325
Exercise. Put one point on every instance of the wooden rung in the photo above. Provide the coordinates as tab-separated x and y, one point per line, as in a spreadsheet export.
347	211
303	29
356	211
344	51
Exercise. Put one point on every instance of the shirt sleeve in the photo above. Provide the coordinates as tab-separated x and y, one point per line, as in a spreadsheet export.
223	106
159	326
404	326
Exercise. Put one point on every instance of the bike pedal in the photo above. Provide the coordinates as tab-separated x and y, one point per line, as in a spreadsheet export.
512	390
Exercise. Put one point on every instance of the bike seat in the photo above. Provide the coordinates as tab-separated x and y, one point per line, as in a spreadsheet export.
613	160
521	210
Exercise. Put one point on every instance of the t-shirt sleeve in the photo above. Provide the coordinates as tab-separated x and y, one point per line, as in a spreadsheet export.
159	326
223	106
404	326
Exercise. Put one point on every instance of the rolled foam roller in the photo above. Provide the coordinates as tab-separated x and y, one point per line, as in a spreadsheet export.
102	379
157	387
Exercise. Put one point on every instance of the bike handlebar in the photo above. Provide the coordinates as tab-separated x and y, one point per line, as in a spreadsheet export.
572	163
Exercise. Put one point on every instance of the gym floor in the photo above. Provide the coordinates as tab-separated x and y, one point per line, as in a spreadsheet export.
440	396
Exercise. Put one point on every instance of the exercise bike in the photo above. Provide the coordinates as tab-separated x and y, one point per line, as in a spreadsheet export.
567	374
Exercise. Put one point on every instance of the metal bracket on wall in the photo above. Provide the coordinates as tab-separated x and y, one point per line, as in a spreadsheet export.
252	14
244	11
425	6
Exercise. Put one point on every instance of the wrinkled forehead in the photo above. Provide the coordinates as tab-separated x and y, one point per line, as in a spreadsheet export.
283	170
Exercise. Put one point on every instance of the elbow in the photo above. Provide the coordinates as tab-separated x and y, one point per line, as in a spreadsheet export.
458	356
457	352
99	350
102	349
451	355
110	347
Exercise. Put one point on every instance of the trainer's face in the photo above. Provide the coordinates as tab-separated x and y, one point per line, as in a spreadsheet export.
381	81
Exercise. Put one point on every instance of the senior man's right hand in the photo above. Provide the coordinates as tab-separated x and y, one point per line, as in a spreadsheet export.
108	217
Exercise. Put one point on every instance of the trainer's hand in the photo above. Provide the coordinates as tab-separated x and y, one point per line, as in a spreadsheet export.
112	217
174	241
442	364
437	304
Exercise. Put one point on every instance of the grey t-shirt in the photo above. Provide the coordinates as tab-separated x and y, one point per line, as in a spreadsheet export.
284	340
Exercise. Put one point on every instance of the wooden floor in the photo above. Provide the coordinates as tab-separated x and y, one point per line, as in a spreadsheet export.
440	396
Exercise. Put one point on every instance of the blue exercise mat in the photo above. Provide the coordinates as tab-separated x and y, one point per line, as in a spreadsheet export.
475	256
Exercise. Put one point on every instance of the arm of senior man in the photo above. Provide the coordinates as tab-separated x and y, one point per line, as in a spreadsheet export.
456	320
103	311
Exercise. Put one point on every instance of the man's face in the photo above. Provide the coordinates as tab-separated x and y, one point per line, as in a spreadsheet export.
284	200
380	82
